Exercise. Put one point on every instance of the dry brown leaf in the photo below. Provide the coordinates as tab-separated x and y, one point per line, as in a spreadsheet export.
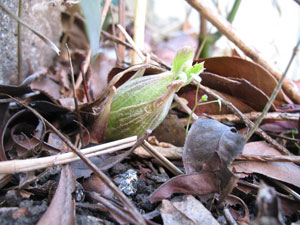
94	183
260	148
100	69
62	207
48	87
189	93
55	142
237	87
201	184
171	130
254	73
283	171
187	211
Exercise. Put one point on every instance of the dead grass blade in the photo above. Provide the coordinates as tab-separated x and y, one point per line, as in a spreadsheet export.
17	166
40	35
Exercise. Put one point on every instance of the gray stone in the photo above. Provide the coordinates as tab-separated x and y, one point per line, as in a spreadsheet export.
43	16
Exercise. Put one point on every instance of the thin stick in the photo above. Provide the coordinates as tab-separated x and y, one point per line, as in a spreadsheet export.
19	45
74	95
91	165
113	26
273	95
269	158
251	116
225	28
104	11
40	35
248	122
298	1
129	39
113	208
201	47
163	160
185	107
25	165
119	41
70	23
82	75
287	189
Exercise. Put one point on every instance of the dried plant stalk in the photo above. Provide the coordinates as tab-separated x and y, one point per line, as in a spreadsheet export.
17	166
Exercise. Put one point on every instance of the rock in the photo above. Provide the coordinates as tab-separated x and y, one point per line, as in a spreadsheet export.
42	16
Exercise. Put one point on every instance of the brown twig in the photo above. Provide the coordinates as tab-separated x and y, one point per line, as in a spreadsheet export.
298	1
113	32
253	116
75	96
288	189
82	75
163	160
113	208
225	28
185	107
248	122
91	165
133	44
269	158
128	45
70	23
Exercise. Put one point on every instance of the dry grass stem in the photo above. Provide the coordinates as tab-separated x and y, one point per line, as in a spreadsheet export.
154	57
134	46
17	166
74	93
163	160
104	11
37	33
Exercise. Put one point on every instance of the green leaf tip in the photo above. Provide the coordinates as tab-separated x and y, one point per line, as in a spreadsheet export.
183	59
183	67
193	73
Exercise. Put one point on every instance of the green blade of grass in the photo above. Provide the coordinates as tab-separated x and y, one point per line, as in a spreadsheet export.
91	10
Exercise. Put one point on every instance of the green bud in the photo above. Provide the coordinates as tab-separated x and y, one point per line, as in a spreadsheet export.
144	102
